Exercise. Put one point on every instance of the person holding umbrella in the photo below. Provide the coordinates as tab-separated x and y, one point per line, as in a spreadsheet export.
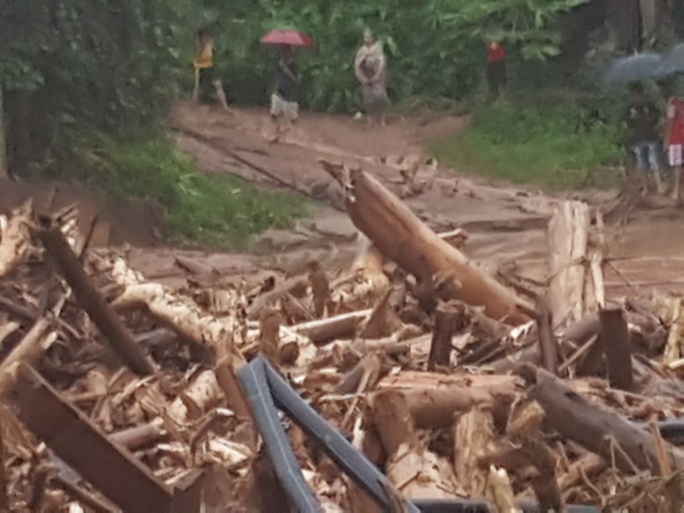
285	98
642	137
370	68
642	118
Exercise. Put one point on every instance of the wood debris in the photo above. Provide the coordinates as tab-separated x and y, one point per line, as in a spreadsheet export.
445	379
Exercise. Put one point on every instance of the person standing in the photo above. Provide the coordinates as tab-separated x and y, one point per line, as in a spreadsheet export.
204	70
370	68
496	68
642	136
285	98
674	142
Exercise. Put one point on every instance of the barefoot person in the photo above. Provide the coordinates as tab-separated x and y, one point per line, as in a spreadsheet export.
370	68
285	98
204	70
643	137
674	142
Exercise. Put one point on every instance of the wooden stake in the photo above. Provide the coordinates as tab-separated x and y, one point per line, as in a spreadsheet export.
447	321
568	240
547	342
616	345
94	303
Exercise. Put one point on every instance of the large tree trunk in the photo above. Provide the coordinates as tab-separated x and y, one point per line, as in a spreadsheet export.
401	236
3	143
568	242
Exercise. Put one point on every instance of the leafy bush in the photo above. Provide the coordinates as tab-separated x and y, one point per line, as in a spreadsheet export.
553	146
218	210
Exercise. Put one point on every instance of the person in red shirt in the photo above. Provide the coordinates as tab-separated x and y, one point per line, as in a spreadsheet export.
496	67
674	141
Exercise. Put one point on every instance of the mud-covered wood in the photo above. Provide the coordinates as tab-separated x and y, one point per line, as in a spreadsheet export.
402	237
617	348
597	429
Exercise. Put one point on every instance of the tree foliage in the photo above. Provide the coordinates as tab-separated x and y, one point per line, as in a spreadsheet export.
106	62
435	48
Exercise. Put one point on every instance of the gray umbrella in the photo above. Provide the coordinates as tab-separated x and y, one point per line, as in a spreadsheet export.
673	62
635	68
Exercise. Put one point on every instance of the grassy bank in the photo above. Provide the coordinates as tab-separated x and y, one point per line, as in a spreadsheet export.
213	210
556	147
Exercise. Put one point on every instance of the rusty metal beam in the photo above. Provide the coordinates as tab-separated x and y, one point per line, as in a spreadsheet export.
110	468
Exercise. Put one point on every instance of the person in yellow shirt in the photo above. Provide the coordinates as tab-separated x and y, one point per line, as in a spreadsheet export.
204	69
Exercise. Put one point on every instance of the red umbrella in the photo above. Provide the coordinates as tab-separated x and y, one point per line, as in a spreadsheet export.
287	37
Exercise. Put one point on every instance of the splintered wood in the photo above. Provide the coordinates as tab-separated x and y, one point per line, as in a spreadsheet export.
445	379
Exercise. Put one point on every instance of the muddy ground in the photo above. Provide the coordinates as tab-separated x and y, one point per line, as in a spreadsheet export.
505	224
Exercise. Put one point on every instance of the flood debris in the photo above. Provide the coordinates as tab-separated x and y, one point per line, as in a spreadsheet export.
412	380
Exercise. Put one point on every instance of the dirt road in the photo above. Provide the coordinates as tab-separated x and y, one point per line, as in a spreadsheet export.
506	224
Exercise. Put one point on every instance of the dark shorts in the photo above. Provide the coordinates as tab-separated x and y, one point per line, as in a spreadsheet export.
496	75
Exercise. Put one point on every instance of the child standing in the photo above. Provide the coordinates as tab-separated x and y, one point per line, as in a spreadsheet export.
204	70
496	68
642	136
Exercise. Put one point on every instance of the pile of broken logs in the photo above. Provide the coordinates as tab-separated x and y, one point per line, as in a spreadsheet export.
467	392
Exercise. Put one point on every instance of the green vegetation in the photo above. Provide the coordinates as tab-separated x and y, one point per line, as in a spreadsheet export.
219	210
554	147
116	66
112	67
435	47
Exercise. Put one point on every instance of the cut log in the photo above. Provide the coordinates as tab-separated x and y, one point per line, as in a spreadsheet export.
320	288
369	264
436	407
402	237
269	334
596	429
675	338
616	345
474	439
194	267
28	351
139	436
382	322
393	421
15	237
92	301
416	472
278	291
327	330
181	315
568	240
448	320
547	342
501	490
595	289
201	395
